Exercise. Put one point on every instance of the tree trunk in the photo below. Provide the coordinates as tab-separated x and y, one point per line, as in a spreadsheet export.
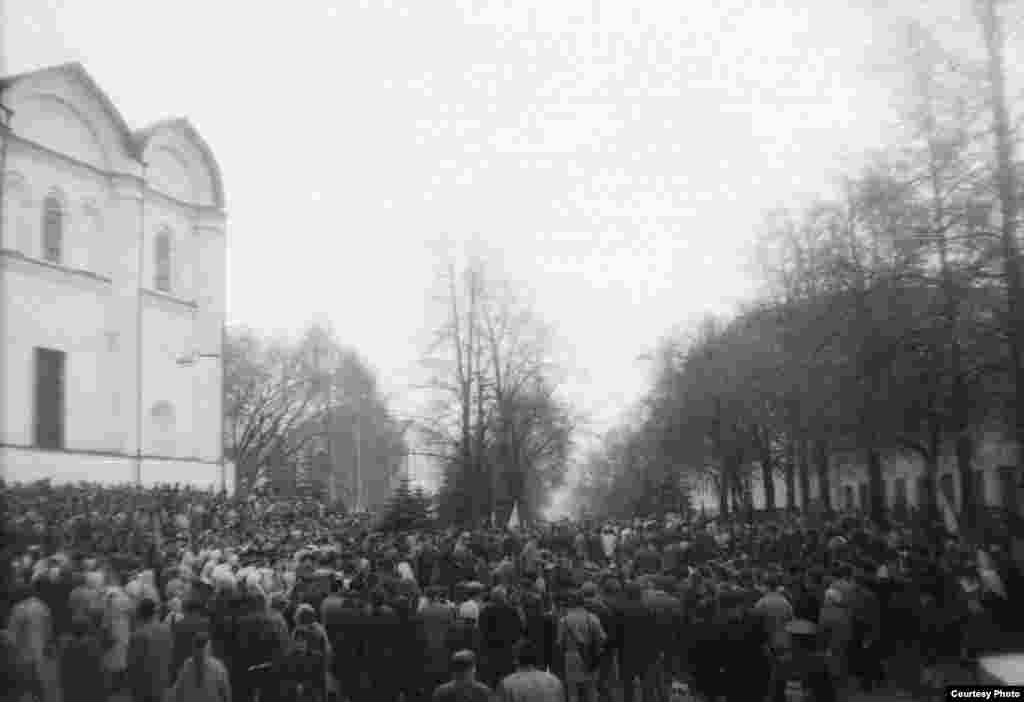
968	500
1006	177
724	477
876	486
723	493
930	508
768	474
824	483
791	474
805	475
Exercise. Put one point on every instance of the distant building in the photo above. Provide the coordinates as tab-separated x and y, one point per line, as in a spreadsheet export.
996	480
112	287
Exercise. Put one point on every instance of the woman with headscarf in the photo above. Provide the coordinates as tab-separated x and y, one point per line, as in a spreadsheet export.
203	678
30	632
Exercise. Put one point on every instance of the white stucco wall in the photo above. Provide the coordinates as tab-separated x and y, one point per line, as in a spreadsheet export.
91	304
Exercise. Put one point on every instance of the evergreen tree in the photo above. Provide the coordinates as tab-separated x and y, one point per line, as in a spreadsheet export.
408	508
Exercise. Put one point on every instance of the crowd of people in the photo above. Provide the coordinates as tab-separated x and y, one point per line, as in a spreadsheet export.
172	593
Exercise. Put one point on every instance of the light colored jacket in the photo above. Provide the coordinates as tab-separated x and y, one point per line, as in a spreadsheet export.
215	686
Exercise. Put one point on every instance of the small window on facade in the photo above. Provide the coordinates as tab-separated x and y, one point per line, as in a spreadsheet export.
978	488
922	491
1008	488
163	262
900	489
53	229
947	488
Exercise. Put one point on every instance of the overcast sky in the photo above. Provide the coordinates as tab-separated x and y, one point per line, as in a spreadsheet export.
617	160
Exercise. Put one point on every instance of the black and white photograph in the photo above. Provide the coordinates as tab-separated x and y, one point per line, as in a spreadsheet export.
511	350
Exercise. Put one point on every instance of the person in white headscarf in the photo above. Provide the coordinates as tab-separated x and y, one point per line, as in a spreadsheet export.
118	618
30	630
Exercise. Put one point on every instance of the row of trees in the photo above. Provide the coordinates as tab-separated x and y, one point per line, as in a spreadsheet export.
890	320
498	426
307	414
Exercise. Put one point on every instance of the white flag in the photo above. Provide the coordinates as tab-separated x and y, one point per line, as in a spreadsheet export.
948	514
513	520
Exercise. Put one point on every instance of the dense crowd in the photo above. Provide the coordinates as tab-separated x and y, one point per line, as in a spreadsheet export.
174	593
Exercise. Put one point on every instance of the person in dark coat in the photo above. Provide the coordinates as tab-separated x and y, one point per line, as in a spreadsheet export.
638	648
81	659
501	629
383	645
259	641
434	622
802	672
150	655
185	631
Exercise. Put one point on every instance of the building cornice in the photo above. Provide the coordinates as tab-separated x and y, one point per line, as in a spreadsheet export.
10	258
127	184
163	297
190	208
102	453
37	149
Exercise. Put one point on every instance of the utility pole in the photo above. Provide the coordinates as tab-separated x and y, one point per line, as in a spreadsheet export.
992	30
328	423
359	460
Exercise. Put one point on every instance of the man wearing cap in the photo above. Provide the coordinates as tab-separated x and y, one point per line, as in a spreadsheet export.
582	639
596	605
434	621
529	683
638	651
802	673
501	628
464	686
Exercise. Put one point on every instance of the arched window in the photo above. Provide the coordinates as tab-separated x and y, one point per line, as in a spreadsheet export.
53	229
163	261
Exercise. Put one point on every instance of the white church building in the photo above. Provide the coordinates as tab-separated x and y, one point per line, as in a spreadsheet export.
112	287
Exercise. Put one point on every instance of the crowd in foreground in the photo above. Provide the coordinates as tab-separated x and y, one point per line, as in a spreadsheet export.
168	593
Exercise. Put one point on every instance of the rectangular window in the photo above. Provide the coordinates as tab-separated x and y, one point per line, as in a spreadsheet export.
49	397
922	491
978	487
900	491
163	263
1008	488
947	489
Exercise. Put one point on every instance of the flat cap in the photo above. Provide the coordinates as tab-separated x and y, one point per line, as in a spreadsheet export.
463	658
801	627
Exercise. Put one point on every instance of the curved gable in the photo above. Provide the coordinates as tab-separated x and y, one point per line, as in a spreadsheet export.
63	109
52	122
180	164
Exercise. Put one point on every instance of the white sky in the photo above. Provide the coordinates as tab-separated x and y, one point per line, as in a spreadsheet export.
618	161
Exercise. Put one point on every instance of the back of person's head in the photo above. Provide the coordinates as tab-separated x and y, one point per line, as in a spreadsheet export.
199	646
305	615
81	626
463	664
305	640
146	609
527	654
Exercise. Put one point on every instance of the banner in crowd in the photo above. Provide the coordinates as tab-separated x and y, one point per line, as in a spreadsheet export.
513	520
